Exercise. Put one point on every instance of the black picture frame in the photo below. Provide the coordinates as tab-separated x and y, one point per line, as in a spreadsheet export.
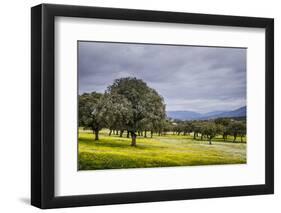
43	110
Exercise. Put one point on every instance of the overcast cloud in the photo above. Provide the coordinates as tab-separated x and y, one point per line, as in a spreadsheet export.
200	79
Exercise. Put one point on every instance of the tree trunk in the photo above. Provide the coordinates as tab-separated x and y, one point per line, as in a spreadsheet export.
128	134
134	137
194	135
117	132
96	134
151	134
145	133
235	135
110	131
241	139
121	133
210	140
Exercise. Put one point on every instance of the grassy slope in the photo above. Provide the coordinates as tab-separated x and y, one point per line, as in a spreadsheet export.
160	151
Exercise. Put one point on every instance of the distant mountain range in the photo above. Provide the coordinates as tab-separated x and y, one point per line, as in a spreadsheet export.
191	115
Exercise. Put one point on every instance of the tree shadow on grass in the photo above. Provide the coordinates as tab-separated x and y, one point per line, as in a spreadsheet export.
220	141
111	143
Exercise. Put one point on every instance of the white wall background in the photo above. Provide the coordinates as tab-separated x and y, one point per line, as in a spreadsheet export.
15	105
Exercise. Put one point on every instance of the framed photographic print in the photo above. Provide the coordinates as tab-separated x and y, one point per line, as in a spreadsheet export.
139	106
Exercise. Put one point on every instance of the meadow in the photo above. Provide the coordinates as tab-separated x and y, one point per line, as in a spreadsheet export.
114	152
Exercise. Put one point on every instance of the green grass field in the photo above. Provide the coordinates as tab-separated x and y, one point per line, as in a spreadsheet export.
114	152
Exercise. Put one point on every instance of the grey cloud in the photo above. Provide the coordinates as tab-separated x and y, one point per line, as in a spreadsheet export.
188	77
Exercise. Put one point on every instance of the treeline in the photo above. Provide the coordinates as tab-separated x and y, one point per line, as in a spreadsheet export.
129	106
198	129
212	128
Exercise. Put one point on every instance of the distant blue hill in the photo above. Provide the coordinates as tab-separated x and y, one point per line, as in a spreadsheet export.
190	115
183	115
214	113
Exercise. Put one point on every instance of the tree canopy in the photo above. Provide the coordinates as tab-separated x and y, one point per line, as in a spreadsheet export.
144	105
90	112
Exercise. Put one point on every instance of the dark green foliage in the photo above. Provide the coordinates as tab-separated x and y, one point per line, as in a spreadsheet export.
117	112
210	130
90	112
237	128
232	127
146	108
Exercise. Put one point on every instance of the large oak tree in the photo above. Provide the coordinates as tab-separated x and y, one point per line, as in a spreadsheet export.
144	103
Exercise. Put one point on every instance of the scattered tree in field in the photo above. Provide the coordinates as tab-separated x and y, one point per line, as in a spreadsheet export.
178	128
238	128
90	112
196	128
143	103
187	128
167	127
226	129
211	129
146	126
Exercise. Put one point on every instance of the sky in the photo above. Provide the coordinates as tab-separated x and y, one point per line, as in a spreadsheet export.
192	78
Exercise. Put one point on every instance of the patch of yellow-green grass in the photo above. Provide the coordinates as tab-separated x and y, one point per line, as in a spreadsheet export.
114	152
